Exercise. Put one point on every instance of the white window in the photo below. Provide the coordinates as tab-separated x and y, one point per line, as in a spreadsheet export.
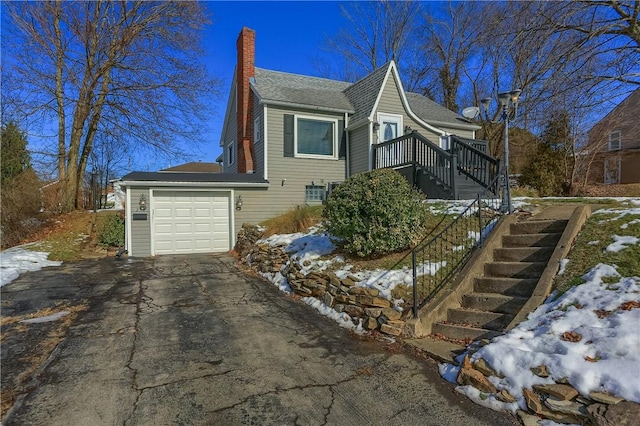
316	137
614	140
231	153
314	193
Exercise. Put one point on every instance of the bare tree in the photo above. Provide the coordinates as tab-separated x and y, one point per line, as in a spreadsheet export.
376	33
607	31
125	69
449	38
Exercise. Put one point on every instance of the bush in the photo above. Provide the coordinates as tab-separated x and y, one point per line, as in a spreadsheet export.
375	213
111	232
20	202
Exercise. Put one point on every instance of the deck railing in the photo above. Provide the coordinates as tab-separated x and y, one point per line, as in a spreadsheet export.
465	156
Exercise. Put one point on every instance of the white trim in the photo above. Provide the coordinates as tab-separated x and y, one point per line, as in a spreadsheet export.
177	185
152	218
128	220
403	98
264	141
370	139
336	146
232	219
347	147
307	106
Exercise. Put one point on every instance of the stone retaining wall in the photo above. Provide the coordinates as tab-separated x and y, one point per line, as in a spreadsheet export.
342	294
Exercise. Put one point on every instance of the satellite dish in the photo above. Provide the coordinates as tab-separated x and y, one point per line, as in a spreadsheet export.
470	112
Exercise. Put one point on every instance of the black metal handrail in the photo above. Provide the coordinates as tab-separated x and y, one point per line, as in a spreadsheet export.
437	261
474	163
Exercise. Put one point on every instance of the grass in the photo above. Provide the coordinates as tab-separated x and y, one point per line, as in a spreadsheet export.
298	219
587	253
69	236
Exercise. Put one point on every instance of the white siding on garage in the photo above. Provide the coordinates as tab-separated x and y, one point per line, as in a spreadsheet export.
191	222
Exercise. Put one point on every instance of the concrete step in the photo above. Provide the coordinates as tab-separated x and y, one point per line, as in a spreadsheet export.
514	269
492	302
521	287
459	332
479	319
523	254
531	240
538	227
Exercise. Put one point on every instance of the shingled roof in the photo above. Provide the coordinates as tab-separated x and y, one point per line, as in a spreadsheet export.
301	90
358	99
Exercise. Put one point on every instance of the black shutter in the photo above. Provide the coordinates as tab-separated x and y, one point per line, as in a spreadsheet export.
342	140
288	136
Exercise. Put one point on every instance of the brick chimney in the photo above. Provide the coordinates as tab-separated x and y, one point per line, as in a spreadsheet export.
245	69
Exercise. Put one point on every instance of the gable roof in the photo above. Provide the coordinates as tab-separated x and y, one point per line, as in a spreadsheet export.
275	87
364	92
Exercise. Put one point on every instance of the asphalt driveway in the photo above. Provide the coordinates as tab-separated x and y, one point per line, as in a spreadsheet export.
182	340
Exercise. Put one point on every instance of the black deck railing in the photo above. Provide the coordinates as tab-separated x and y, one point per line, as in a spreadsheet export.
439	257
416	151
473	161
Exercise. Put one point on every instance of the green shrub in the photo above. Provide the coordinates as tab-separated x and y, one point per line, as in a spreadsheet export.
111	232
375	213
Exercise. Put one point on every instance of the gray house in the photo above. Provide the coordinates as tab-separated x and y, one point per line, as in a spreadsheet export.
286	139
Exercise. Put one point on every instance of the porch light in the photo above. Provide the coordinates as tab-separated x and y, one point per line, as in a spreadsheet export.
142	203
239	202
376	126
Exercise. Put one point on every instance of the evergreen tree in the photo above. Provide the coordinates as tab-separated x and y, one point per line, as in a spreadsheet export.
15	158
549	170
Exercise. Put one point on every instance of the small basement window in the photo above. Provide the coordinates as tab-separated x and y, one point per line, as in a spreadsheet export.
314	193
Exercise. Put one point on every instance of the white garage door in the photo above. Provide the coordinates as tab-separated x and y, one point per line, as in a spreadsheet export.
190	222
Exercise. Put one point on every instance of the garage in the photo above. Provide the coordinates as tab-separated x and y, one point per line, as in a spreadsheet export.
190	222
189	212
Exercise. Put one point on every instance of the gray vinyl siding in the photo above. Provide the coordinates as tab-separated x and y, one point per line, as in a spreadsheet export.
258	145
255	203
230	132
298	172
359	150
391	103
140	229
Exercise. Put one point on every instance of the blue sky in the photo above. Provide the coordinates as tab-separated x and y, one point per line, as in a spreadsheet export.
289	35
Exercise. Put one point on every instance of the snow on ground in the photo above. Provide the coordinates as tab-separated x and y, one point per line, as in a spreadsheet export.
18	260
589	336
48	318
600	311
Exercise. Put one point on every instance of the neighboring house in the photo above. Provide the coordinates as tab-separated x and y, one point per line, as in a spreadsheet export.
195	167
286	139
614	142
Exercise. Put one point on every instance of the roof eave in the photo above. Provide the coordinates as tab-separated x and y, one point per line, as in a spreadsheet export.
156	183
305	106
453	125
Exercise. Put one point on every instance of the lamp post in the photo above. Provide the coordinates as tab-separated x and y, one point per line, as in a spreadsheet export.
508	111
